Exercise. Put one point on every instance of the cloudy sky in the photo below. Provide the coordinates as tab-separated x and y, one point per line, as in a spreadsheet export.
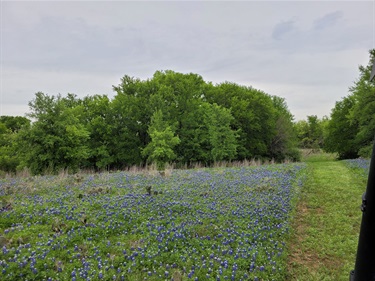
305	51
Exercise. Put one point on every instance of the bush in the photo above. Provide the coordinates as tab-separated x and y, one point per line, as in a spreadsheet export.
365	152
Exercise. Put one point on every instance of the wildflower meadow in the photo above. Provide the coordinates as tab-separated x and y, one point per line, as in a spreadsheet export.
199	224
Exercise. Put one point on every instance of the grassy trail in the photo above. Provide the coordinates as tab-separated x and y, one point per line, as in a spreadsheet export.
326	225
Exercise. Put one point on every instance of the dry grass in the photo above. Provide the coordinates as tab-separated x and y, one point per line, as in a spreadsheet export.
149	169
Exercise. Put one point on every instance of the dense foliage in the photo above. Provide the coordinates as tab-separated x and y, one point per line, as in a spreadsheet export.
311	132
10	155
207	224
170	117
350	131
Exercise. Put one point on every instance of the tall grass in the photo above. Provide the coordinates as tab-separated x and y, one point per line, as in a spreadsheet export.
148	169
317	155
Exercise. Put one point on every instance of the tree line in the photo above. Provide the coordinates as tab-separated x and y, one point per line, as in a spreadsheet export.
180	118
349	130
171	117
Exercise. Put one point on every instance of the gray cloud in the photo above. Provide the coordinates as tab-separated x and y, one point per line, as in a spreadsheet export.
282	29
286	48
328	20
324	35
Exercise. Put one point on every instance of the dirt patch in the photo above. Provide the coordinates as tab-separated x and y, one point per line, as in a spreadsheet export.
296	255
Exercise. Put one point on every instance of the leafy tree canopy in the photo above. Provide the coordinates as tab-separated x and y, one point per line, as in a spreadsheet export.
350	132
169	117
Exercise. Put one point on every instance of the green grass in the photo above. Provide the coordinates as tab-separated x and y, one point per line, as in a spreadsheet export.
322	244
309	155
203	224
326	226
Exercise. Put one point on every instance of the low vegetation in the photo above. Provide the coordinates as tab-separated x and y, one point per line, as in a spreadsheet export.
202	224
326	226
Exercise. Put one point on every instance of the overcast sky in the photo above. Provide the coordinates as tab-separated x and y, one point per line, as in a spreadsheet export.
305	52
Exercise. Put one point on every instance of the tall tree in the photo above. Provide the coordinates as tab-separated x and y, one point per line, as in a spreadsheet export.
57	139
253	113
342	130
363	111
160	149
213	123
182	97
10	156
14	123
350	131
131	118
310	132
222	139
284	142
97	119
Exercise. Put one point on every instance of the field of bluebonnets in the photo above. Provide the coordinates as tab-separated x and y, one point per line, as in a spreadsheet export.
201	224
360	164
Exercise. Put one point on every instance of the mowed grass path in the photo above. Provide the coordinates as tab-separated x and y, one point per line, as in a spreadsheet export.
326	225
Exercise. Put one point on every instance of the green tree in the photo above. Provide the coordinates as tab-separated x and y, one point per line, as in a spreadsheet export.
163	140
254	117
97	119
14	123
315	131
181	96
350	132
8	160
131	115
363	111
222	139
310	132
301	128
284	142
342	130
10	156
57	139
